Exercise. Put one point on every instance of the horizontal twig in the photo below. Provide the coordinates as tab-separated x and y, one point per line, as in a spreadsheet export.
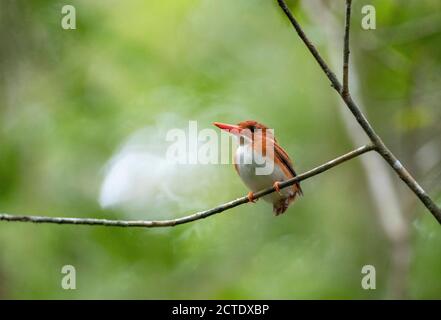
193	217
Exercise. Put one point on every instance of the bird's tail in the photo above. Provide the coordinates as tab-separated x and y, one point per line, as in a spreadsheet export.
283	204
298	189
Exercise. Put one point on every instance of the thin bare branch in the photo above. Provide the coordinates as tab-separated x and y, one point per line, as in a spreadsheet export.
381	148
346	50
390	211
193	217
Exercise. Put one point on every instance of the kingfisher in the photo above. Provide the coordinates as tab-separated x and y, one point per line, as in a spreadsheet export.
258	149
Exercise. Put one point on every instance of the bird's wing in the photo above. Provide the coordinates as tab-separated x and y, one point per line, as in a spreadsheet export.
283	157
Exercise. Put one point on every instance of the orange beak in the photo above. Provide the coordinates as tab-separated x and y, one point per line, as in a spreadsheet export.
230	128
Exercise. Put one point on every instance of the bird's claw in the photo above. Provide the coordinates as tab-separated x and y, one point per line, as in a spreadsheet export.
251	198
276	186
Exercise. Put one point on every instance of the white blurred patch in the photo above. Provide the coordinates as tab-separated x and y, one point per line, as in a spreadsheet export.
140	181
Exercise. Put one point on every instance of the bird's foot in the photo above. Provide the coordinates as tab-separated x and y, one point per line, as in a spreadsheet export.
251	198
276	186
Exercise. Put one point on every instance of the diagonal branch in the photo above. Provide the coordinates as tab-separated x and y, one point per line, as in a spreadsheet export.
193	217
381	148
389	210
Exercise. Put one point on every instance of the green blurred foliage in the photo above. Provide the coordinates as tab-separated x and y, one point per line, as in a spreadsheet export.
69	98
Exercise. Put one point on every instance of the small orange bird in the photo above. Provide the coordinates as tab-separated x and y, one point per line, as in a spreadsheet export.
261	163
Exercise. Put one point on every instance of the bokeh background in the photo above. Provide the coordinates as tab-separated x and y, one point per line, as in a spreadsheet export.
70	99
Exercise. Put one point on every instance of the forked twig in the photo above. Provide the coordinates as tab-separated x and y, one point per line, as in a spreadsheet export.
376	140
